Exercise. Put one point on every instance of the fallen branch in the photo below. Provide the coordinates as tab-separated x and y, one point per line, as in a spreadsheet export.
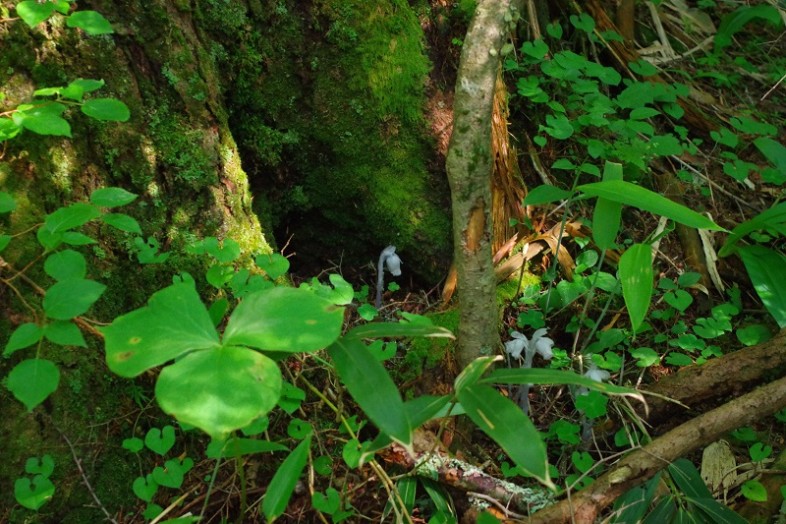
642	464
729	375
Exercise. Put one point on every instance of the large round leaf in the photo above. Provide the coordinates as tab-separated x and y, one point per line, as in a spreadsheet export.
284	319
174	322
220	389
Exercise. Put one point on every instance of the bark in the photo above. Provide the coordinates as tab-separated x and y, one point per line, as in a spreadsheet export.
729	375
641	465
469	167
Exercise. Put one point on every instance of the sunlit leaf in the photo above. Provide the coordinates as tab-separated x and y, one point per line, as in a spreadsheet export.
503	421
283	482
220	389
637	196
111	197
90	22
767	270
70	217
372	388
284	319
173	323
635	270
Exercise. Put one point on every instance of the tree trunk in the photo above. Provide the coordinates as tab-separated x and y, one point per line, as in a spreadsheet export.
469	165
177	153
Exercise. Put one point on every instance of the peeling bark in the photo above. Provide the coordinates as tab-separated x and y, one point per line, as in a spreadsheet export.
469	166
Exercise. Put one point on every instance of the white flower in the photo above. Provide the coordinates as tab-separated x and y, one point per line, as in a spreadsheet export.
517	345
393	263
538	344
598	375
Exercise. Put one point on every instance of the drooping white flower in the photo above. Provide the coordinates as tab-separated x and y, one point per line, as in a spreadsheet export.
596	374
516	346
538	344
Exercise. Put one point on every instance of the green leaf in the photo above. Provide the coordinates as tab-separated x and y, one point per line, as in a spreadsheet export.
733	23
70	217
372	388
471	374
106	109
90	22
8	129
173	472
558	126
545	376
607	215
755	491
72	297
284	319
545	194
24	336
7	203
44	467
773	217
238	447
219	389
33	12
283	482
64	333
767	270
635	270
4	241
65	264
32	381
636	196
111	197
274	264
145	488
503	421
173	323
74	238
398	329
753	334
133	444
34	493
160	440
43	119
122	222
88	85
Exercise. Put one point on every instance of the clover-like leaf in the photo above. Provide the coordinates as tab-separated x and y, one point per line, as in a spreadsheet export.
220	389
284	319
174	322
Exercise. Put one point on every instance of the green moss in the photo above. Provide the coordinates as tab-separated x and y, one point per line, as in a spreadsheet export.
427	352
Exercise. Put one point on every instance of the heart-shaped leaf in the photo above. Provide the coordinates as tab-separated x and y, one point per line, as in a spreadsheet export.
273	264
44	467
237	384
134	445
173	472
145	487
33	494
160	440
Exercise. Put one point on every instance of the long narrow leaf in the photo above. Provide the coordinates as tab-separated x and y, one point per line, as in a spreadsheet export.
770	218
372	388
554	376
503	421
635	269
767	269
398	329
637	196
283	482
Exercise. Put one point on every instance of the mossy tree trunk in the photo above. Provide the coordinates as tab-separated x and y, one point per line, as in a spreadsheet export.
177	153
469	165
